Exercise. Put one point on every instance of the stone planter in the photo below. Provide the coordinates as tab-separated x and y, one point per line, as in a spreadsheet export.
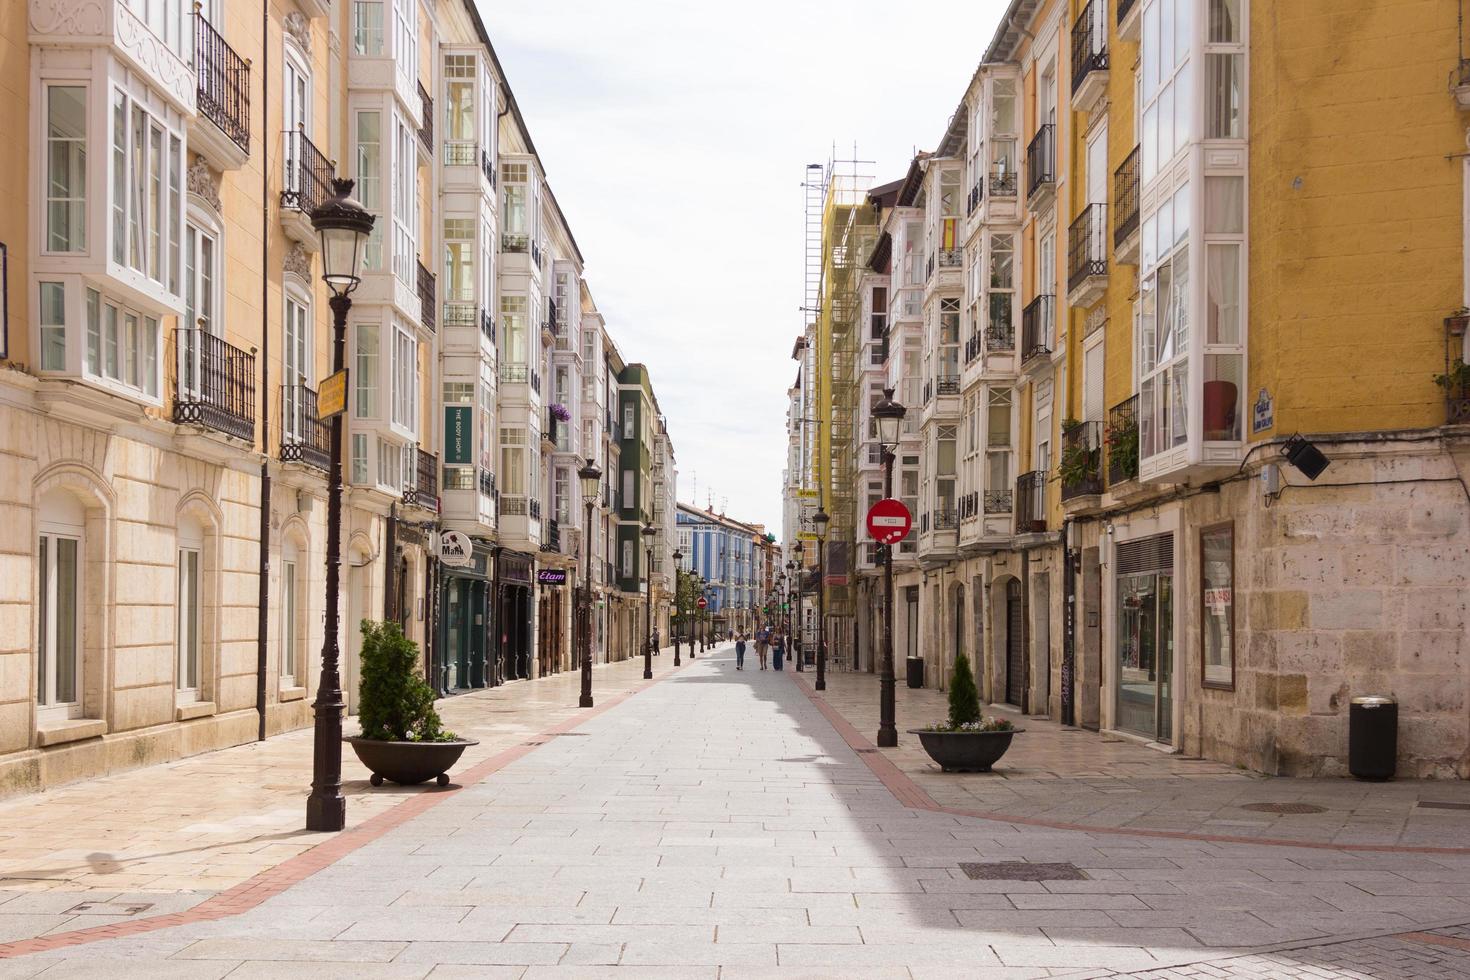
965	751
408	763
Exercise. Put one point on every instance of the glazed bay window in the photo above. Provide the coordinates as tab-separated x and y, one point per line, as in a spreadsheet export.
405	202
514	350
370	175
513	480
998	451
1001	138
122	344
66	168
147	202
949	347
459	260
1000	294
1168	102
1164	328
405	380
459	109
516	220
366	362
367	28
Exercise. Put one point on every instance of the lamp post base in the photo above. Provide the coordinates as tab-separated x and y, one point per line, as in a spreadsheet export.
326	813
887	738
585	701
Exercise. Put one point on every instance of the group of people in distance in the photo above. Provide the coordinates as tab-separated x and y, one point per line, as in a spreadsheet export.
768	642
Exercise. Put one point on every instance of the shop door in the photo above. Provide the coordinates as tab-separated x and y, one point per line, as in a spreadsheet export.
1145	589
1015	654
456	634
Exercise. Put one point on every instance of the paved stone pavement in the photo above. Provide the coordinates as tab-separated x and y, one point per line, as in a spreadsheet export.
171	836
1069	776
716	825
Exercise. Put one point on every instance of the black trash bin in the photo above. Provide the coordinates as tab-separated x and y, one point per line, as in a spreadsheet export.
1373	737
916	671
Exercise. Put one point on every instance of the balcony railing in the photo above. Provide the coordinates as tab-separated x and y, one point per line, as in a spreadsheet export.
487	482
1122	441
972	348
951	258
487	168
928	392
459	153
1124	7
1036	328
459	314
304	437
1081	460
426	296
947	384
214	384
1002	183
223	96
536	382
308	174
1041	159
535	509
973	200
946	519
424	490
1089	42
426	112
536	254
997	501
1031	502
514	242
1125	199
513	373
1087	245
551	537
487	326
1000	337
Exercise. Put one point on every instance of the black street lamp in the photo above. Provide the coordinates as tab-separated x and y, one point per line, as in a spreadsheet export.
648	532
709	600
344	225
888	414
820	519
678	613
591	478
800	599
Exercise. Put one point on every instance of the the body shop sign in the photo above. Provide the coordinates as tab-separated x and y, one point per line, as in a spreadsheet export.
458	435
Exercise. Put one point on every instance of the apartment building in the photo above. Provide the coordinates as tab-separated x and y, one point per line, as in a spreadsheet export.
1202	511
730	558
163	460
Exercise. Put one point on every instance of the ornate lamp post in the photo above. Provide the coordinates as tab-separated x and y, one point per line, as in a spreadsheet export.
648	532
591	478
889	417
678	617
820	519
800	584
343	224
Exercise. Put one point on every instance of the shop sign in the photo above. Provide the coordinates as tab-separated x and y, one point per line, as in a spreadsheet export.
331	395
1262	413
458	435
552	576
455	549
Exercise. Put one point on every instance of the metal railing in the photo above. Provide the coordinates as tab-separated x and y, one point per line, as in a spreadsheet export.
459	153
946	520
426	296
514	373
1000	337
972	348
514	242
951	258
1125	199
214	384
973	200
551	536
487	326
426	112
536	382
997	501
513	506
1122	441
1036	328
536	254
487	482
308	174
1041	159
1087	245
305	438
535	508
424	491
487	168
1002	183
1089	42
223	95
947	384
1081	460
1031	502
459	314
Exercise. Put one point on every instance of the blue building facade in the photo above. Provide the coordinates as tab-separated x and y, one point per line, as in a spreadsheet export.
723	553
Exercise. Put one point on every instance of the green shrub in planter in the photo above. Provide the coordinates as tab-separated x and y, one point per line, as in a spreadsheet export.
964	699
395	704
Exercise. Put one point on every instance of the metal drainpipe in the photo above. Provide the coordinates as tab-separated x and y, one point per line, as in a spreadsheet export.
390	566
1025	632
1069	627
263	572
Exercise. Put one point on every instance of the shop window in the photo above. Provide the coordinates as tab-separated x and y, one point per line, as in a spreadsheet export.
1217	602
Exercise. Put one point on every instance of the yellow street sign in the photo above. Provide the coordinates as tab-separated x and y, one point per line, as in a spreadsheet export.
809	494
331	396
806	536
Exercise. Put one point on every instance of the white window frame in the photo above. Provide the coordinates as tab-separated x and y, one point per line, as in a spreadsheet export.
189	631
48	708
74	202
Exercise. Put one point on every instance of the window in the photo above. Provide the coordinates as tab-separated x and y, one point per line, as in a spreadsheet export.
459	260
53	326
186	640
513	194
513	461
370	175
367	28
1167	82
949	345
166	20
405	380
628	420
514	352
359	457
1164	327
405	37
391	469
122	345
297	372
627	488
459	99
199	280
405	201
1224	71
365	371
58	626
147	198
1217	602
290	615
66	168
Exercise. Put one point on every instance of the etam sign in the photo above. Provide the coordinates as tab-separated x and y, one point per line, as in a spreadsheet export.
455	549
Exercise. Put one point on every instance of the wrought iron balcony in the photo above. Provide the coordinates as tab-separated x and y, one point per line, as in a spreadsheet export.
459	314
973	200
1041	160
535	508
1037	334
514	242
459	153
551	537
304	437
1000	337
1125	205
308	174
487	482
1081	461
426	112
1087	247
997	501
426	296
947	384
972	348
951	258
1122	441
946	519
1031	502
513	373
536	254
1002	183
1090	45
224	84
536	382
487	326
214	384
424	490
487	168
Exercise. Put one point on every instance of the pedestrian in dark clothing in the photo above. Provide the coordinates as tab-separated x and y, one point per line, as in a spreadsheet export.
778	650
739	652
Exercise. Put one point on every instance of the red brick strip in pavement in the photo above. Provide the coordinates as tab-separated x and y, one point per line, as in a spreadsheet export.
912	796
1433	940
252	892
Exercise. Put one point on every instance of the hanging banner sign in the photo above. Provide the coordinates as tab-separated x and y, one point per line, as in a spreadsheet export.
331	395
458	435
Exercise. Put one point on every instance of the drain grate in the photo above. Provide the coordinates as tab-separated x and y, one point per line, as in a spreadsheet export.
1443	805
866	751
1023	871
109	908
1284	807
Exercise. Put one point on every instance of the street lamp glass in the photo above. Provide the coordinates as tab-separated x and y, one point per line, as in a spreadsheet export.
591	478
344	225
820	519
889	416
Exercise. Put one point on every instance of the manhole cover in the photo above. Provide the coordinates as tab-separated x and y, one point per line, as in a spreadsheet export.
1284	807
1443	805
1023	871
109	908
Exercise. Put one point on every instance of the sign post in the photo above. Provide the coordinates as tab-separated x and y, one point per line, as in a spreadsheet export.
889	521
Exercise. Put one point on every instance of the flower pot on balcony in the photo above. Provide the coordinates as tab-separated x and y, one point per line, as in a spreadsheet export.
1220	409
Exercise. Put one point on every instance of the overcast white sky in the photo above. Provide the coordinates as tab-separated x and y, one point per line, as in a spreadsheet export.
675	136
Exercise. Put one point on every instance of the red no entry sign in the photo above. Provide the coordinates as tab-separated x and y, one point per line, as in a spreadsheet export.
701	603
889	521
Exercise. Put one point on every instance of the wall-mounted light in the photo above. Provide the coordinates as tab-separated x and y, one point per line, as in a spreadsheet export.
1306	457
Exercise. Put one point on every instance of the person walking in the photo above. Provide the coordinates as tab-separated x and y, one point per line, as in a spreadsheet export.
762	644
778	650
739	651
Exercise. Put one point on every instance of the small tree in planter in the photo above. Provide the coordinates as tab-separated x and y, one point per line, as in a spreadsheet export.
402	736
966	743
